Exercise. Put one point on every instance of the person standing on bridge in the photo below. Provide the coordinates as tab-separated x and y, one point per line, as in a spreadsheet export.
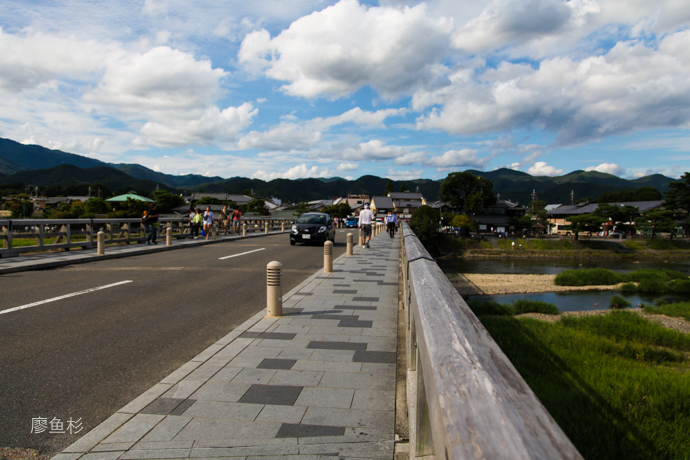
152	222
236	217
391	223
208	221
224	218
196	223
365	219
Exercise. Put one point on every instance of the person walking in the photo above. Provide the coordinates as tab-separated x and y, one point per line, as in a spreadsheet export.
224	218
196	223
365	219
391	223
236	217
208	221
191	222
152	223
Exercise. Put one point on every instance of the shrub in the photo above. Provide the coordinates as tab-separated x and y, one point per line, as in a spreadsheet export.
490	307
680	286
675	275
667	245
587	277
629	288
618	302
653	286
534	306
679	309
645	274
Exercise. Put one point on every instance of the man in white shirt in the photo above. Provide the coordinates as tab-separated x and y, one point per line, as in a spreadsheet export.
365	219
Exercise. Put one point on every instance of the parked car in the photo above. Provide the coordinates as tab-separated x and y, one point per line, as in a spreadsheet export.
312	227
352	222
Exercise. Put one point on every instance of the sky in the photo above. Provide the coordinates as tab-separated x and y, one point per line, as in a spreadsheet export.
401	89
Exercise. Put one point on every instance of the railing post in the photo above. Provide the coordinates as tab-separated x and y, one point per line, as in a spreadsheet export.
101	243
328	257
214	231
350	237
274	289
361	239
266	226
282	226
168	236
244	229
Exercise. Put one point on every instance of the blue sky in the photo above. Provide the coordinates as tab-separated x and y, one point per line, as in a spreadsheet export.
320	88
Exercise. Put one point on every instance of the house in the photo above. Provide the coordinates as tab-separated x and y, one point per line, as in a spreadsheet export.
238	199
558	216
380	205
355	200
405	203
496	218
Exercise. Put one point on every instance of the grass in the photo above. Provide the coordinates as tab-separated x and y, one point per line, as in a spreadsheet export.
617	384
648	280
587	277
517	307
537	244
678	309
618	302
668	245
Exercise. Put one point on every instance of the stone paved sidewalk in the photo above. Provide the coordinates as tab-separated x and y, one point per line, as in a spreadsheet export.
318	382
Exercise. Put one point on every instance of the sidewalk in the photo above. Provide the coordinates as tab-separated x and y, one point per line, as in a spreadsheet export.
46	260
318	382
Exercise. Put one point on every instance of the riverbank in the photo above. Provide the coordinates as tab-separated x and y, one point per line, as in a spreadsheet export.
494	284
573	254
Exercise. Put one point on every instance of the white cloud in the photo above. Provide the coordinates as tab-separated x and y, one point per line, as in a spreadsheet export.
453	159
347	167
372	150
297	172
404	175
633	87
347	46
609	168
540	168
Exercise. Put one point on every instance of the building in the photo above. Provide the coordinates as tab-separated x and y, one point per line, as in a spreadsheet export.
558	216
406	203
496	218
380	205
238	199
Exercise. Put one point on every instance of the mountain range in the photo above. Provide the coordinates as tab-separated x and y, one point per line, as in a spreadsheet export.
39	166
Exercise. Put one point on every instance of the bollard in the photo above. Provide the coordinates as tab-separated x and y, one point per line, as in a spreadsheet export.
349	244
266	231
328	257
101	243
168	236
361	239
244	229
214	231
274	289
282	226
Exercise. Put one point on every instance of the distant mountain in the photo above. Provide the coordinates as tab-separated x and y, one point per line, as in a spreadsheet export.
185	181
16	157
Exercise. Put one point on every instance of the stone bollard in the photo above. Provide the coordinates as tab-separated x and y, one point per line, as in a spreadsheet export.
244	229
214	231
274	289
266	231
349	244
361	239
282	226
168	236
100	238
328	257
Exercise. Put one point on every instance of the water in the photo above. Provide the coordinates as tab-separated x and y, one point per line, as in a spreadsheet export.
580	300
554	266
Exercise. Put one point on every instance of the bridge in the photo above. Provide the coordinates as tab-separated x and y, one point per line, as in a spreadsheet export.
151	352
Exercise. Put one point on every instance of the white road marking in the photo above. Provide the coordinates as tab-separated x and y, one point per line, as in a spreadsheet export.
236	255
86	291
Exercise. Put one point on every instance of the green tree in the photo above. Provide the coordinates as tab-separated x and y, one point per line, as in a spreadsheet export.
403	187
340	210
585	223
425	224
20	205
658	220
208	200
389	187
647	193
465	223
300	209
678	194
446	219
247	192
97	206
467	192
258	206
617	214
166	201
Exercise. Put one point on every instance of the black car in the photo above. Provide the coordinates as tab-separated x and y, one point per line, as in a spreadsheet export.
311	227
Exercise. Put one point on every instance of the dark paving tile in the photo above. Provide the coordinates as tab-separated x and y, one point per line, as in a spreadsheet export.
285	364
179	410
329	278
375	274
365	299
162	406
250	335
277	335
355	323
355	307
334	317
321	345
342	285
386	357
386	283
345	291
295	430
280	395
367	281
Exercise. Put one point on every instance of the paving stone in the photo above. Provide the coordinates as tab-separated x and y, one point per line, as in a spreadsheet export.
374	400
355	323
280	395
365	299
283	414
227	373
326	345
297	377
165	431
295	353
291	430
345	291
308	365
254	376
221	391
215	430
162	406
332	355
184	389
277	364
385	357
326	397
259	352
357	381
375	368
135	428
224	410
355	307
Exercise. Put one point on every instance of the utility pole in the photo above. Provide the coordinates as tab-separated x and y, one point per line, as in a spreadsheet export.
572	197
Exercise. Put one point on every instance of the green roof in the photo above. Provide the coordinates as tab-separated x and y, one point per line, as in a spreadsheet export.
133	196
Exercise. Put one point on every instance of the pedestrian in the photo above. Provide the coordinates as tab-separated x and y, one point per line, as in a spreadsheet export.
224	218
513	244
196	223
152	223
236	217
191	222
208	221
391	223
365	219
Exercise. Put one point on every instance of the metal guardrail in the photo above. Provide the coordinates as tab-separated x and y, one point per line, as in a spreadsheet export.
466	400
81	233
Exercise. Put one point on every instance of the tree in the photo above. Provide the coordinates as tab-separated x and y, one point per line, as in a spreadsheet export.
617	214
208	200
585	223
658	220
97	206
465	223
425	224
300	209
20	205
467	192
678	194
166	201
389	188
341	210
258	206
446	219
403	187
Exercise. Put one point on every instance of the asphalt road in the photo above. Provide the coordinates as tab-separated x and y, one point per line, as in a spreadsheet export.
86	356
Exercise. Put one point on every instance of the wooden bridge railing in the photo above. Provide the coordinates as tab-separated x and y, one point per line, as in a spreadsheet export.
466	400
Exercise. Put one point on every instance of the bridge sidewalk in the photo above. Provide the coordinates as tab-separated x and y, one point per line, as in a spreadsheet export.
47	260
318	382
